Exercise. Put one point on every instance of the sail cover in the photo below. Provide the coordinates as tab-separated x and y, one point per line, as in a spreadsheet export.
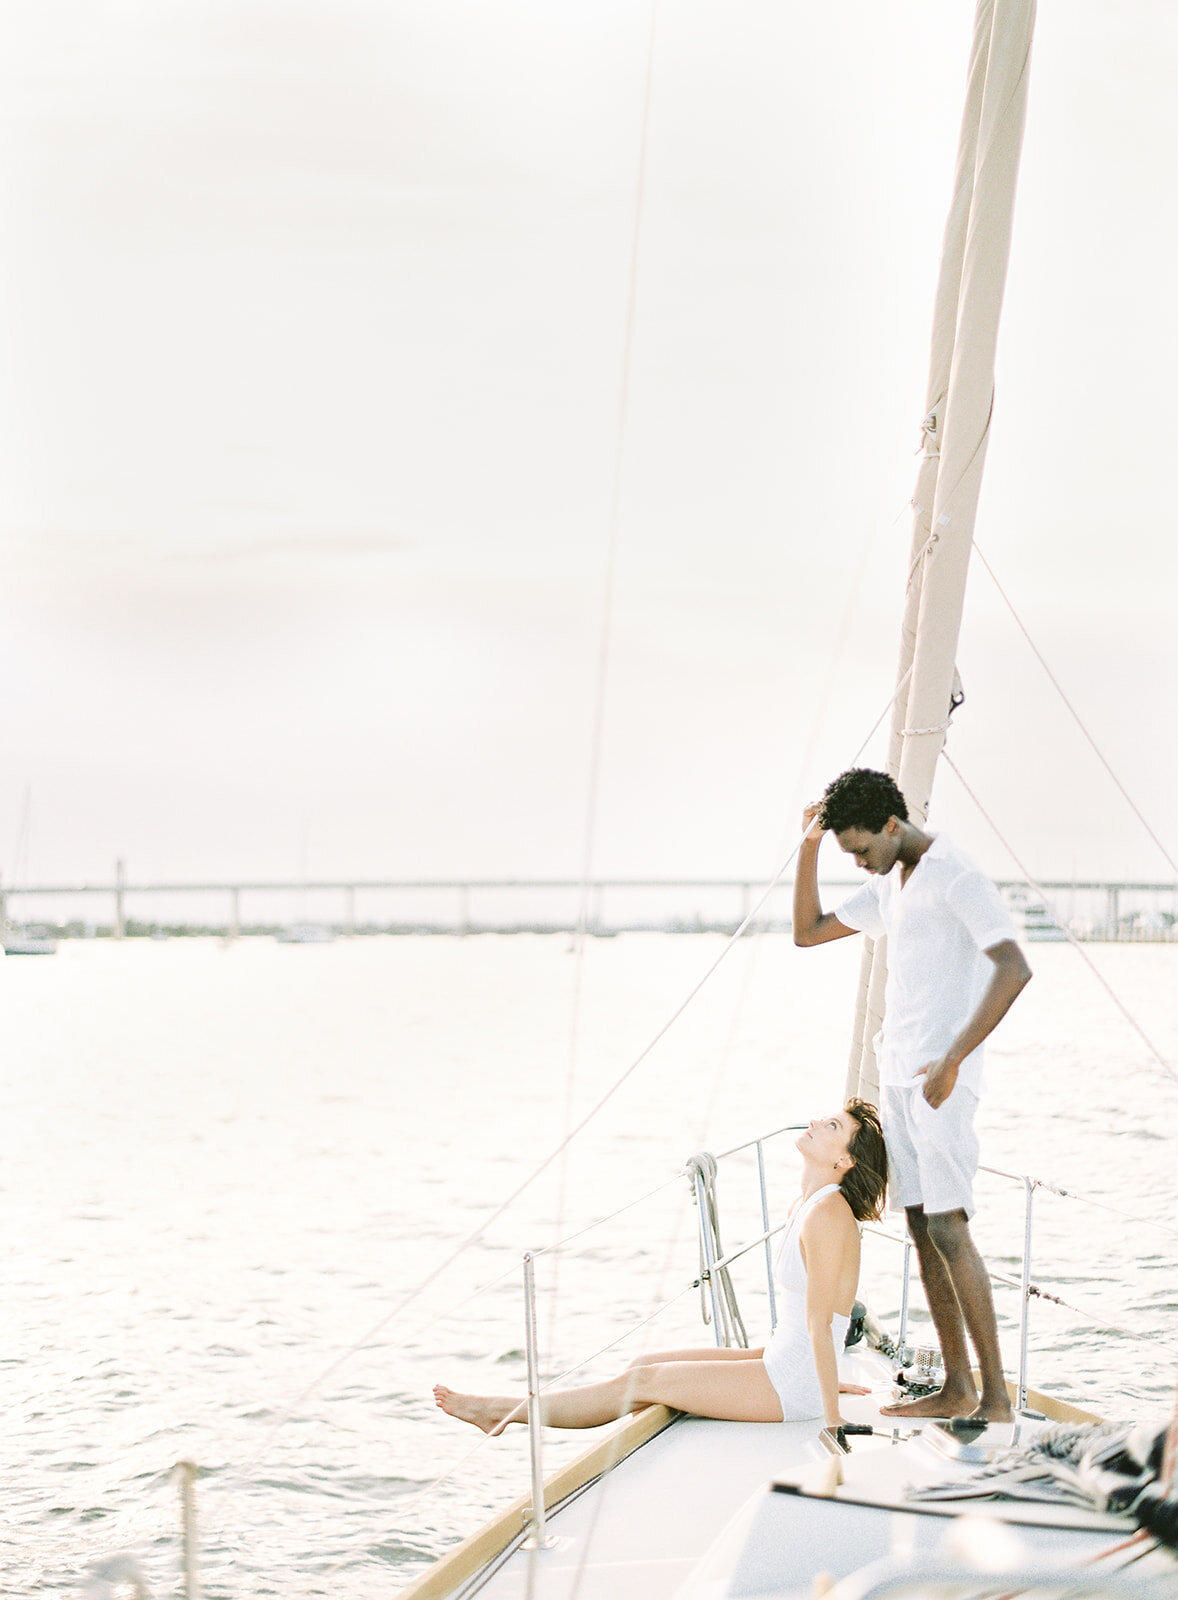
956	431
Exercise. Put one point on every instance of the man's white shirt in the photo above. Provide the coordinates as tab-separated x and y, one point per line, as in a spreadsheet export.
938	926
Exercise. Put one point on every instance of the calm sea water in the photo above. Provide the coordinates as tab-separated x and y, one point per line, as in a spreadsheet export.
223	1169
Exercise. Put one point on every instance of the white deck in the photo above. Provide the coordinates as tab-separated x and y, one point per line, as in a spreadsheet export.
641	1530
693	1514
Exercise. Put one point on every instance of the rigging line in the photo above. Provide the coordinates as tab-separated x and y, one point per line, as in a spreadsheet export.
1038	1293
606	1475
599	1503
672	1244
669	1255
1147	1222
812	744
730	1256
895	695
428	1489
1072	940
764	1138
730	1036
622	1337
477	1232
761	928
597	735
615	503
843	632
1072	1194
1091	1317
673	1238
19	861
412	1501
511	1271
1035	1291
1079	721
561	1244
460	1305
816	723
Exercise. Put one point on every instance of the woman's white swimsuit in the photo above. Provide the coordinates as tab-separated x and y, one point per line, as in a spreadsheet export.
789	1355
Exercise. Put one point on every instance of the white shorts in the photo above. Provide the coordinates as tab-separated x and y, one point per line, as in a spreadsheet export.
932	1155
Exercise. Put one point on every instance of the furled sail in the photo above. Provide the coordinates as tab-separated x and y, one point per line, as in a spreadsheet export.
967	310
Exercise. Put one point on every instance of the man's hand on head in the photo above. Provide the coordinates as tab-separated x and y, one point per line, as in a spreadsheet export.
811	827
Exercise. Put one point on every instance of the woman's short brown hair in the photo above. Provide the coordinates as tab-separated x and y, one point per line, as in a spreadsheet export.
865	1184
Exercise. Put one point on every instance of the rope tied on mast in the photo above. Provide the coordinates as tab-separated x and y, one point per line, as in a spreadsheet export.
956	698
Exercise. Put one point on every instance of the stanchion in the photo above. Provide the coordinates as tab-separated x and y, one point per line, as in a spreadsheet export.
538	1539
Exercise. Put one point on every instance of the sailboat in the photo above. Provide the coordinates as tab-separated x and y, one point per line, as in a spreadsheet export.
31	941
697	1509
23	939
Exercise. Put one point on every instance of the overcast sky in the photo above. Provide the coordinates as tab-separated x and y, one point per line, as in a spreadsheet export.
311	330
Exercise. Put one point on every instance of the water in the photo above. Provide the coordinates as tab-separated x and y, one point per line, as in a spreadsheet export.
222	1167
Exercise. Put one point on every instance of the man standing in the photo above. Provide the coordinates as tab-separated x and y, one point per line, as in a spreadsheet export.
954	970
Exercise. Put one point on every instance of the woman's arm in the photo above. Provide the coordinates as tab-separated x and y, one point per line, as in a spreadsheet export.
824	1240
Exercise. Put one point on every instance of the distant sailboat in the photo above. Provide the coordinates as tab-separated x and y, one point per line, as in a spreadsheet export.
306	933
29	939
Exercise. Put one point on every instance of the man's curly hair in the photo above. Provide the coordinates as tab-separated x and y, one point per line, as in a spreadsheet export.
861	798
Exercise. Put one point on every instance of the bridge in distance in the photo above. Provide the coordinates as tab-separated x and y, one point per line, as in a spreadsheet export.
1094	908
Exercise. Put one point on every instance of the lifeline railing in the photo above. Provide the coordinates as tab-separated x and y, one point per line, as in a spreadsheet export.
716	1263
1027	1289
714	1282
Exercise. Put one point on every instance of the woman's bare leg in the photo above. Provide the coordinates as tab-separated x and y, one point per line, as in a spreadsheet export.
658	1358
725	1386
731	1388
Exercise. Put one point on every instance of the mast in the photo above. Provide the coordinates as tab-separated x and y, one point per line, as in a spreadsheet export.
960	397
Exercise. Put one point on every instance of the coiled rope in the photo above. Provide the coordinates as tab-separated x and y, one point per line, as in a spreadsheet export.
701	1171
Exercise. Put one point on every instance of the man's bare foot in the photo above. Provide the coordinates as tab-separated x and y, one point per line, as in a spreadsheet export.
998	1410
945	1403
489	1412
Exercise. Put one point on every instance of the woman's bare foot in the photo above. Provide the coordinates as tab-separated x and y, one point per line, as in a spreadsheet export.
489	1412
945	1403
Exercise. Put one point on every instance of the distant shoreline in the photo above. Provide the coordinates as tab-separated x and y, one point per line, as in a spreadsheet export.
327	933
314	912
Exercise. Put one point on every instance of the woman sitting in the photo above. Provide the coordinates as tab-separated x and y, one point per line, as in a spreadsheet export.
794	1376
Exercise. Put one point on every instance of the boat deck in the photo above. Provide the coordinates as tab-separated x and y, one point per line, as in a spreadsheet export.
706	1509
642	1529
